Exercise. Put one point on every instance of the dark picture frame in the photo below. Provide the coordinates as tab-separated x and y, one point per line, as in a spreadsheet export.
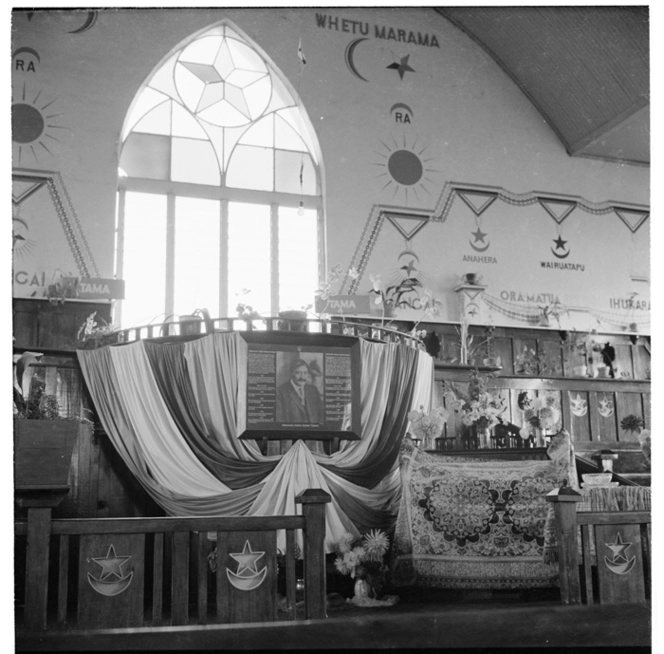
298	385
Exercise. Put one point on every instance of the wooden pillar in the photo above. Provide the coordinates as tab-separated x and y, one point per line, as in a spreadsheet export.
313	503
39	502
564	505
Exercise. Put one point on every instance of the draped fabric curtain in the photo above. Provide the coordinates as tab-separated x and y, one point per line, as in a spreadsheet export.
171	410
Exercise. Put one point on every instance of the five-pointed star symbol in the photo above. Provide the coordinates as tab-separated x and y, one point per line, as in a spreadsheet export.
479	235
560	244
618	548
111	564
402	66
409	267
472	311
247	559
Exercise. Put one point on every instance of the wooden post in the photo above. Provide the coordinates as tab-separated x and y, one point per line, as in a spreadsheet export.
564	505
313	503
39	501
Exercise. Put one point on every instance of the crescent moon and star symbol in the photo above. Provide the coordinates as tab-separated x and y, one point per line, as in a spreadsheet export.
560	245
401	66
350	52
479	237
111	581
89	22
579	406
248	576
605	408
27	50
619	563
472	309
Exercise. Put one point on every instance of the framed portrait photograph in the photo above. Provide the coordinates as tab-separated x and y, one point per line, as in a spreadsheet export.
301	385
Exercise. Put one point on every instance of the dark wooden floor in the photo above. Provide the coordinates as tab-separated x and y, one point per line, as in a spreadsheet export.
421	619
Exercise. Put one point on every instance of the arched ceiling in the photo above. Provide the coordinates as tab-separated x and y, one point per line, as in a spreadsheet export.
586	69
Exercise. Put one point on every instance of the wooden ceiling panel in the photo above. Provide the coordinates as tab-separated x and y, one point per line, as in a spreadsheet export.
586	69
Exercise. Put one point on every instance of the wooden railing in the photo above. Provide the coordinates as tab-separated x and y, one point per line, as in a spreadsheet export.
622	550
157	572
372	330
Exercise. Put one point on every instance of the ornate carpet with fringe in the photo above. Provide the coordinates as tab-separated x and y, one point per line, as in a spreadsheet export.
474	524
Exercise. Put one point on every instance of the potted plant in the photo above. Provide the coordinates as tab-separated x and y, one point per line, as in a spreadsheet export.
94	333
43	438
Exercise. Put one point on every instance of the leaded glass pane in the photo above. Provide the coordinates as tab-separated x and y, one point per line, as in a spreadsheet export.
287	173
184	124
146	155
251	167
261	133
157	121
148	99
285	137
195	162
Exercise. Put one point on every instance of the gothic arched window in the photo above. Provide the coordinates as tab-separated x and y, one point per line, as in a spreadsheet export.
219	186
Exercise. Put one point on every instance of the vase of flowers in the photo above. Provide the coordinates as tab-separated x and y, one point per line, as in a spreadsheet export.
541	414
363	559
480	409
633	424
427	427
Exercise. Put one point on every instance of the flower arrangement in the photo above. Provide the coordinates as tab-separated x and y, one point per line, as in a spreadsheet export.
632	423
362	558
95	332
428	426
540	413
480	407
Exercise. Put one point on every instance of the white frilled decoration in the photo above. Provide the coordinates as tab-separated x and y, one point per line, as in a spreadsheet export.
171	411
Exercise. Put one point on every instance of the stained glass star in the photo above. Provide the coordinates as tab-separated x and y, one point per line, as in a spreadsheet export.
618	548
479	235
402	66
247	559
111	564
560	244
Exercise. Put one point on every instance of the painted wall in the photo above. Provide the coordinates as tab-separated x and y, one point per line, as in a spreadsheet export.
435	164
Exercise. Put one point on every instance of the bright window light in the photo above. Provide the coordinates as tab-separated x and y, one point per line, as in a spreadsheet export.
196	255
144	265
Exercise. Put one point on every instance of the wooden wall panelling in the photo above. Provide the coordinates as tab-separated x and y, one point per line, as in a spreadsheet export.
628	404
41	324
502	347
551	359
602	407
579	420
641	361
623	360
524	361
646	410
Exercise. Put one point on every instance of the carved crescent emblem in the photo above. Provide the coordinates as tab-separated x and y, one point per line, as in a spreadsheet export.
111	580
248	576
579	406
605	408
619	563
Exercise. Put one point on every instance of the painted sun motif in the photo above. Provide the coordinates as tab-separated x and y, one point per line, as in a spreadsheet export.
405	168
32	125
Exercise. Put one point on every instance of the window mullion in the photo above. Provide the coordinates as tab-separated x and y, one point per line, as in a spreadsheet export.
119	250
223	259
274	258
170	254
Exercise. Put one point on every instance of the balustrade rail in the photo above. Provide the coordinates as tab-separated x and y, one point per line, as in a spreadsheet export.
156	572
612	564
193	327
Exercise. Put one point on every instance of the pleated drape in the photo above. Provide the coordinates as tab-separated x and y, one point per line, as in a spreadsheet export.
171	410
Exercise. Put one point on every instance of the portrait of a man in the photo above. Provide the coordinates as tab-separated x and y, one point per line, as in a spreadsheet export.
298	399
